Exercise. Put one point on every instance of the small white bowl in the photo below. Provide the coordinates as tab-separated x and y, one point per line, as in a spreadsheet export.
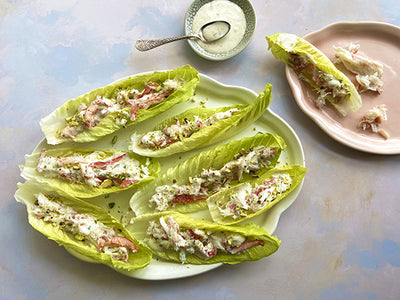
249	13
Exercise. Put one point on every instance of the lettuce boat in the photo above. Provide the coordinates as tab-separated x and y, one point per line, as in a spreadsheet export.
180	238
251	199
118	105
51	213
86	173
314	67
186	187
198	127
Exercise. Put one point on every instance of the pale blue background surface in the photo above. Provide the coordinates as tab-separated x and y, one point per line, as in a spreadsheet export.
340	239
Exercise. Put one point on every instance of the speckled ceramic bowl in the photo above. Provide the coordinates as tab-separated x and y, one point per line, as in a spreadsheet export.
249	13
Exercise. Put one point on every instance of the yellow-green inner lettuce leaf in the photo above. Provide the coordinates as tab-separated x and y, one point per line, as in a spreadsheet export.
56	120
215	159
27	194
82	190
244	212
208	135
284	46
251	232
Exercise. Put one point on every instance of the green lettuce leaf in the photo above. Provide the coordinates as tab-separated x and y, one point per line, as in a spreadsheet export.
27	194
220	199
281	49
251	231
220	130
56	120
215	159
79	190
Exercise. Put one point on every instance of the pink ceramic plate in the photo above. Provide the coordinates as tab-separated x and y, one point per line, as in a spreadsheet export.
378	41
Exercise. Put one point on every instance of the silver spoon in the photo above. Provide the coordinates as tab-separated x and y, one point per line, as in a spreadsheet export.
206	35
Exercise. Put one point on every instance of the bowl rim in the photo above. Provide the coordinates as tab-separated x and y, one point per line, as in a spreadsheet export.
251	21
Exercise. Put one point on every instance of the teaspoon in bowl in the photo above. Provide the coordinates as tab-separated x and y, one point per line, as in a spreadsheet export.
209	32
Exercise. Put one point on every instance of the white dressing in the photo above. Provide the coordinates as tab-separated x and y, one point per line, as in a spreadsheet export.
220	10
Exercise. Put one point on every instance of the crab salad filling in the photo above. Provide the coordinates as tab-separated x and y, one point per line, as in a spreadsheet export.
177	132
368	72
167	235
248	200
83	227
124	107
95	169
210	181
373	118
328	84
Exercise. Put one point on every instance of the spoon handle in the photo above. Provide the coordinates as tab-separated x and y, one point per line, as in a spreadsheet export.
144	45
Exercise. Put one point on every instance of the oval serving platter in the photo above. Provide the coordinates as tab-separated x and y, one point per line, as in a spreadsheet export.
212	94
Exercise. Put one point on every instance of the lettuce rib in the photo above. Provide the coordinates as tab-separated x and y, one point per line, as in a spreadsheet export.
220	130
282	45
220	199
56	120
139	227
215	158
27	194
80	190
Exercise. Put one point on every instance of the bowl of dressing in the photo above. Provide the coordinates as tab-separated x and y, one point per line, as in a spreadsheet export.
238	13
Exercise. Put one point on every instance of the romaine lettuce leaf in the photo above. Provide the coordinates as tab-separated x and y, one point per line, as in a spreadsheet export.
251	231
56	120
79	190
282	45
27	194
215	158
220	130
220	199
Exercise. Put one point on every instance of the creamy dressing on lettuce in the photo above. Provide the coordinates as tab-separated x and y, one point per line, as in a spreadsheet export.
94	169
287	41
210	181
177	132
124	106
167	235
248	200
83	227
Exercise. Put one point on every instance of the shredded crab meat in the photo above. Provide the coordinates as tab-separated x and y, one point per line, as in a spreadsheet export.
369	72
210	181
83	227
373	118
328	84
247	199
178	131
167	235
124	106
94	169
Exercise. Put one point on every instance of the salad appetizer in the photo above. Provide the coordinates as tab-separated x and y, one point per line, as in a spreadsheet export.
312	66
121	104
199	127
83	228
181	238
87	173
250	199
186	187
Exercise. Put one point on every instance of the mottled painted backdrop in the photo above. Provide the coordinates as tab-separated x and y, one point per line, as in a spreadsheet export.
340	239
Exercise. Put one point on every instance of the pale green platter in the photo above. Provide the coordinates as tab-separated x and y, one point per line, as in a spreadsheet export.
211	94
